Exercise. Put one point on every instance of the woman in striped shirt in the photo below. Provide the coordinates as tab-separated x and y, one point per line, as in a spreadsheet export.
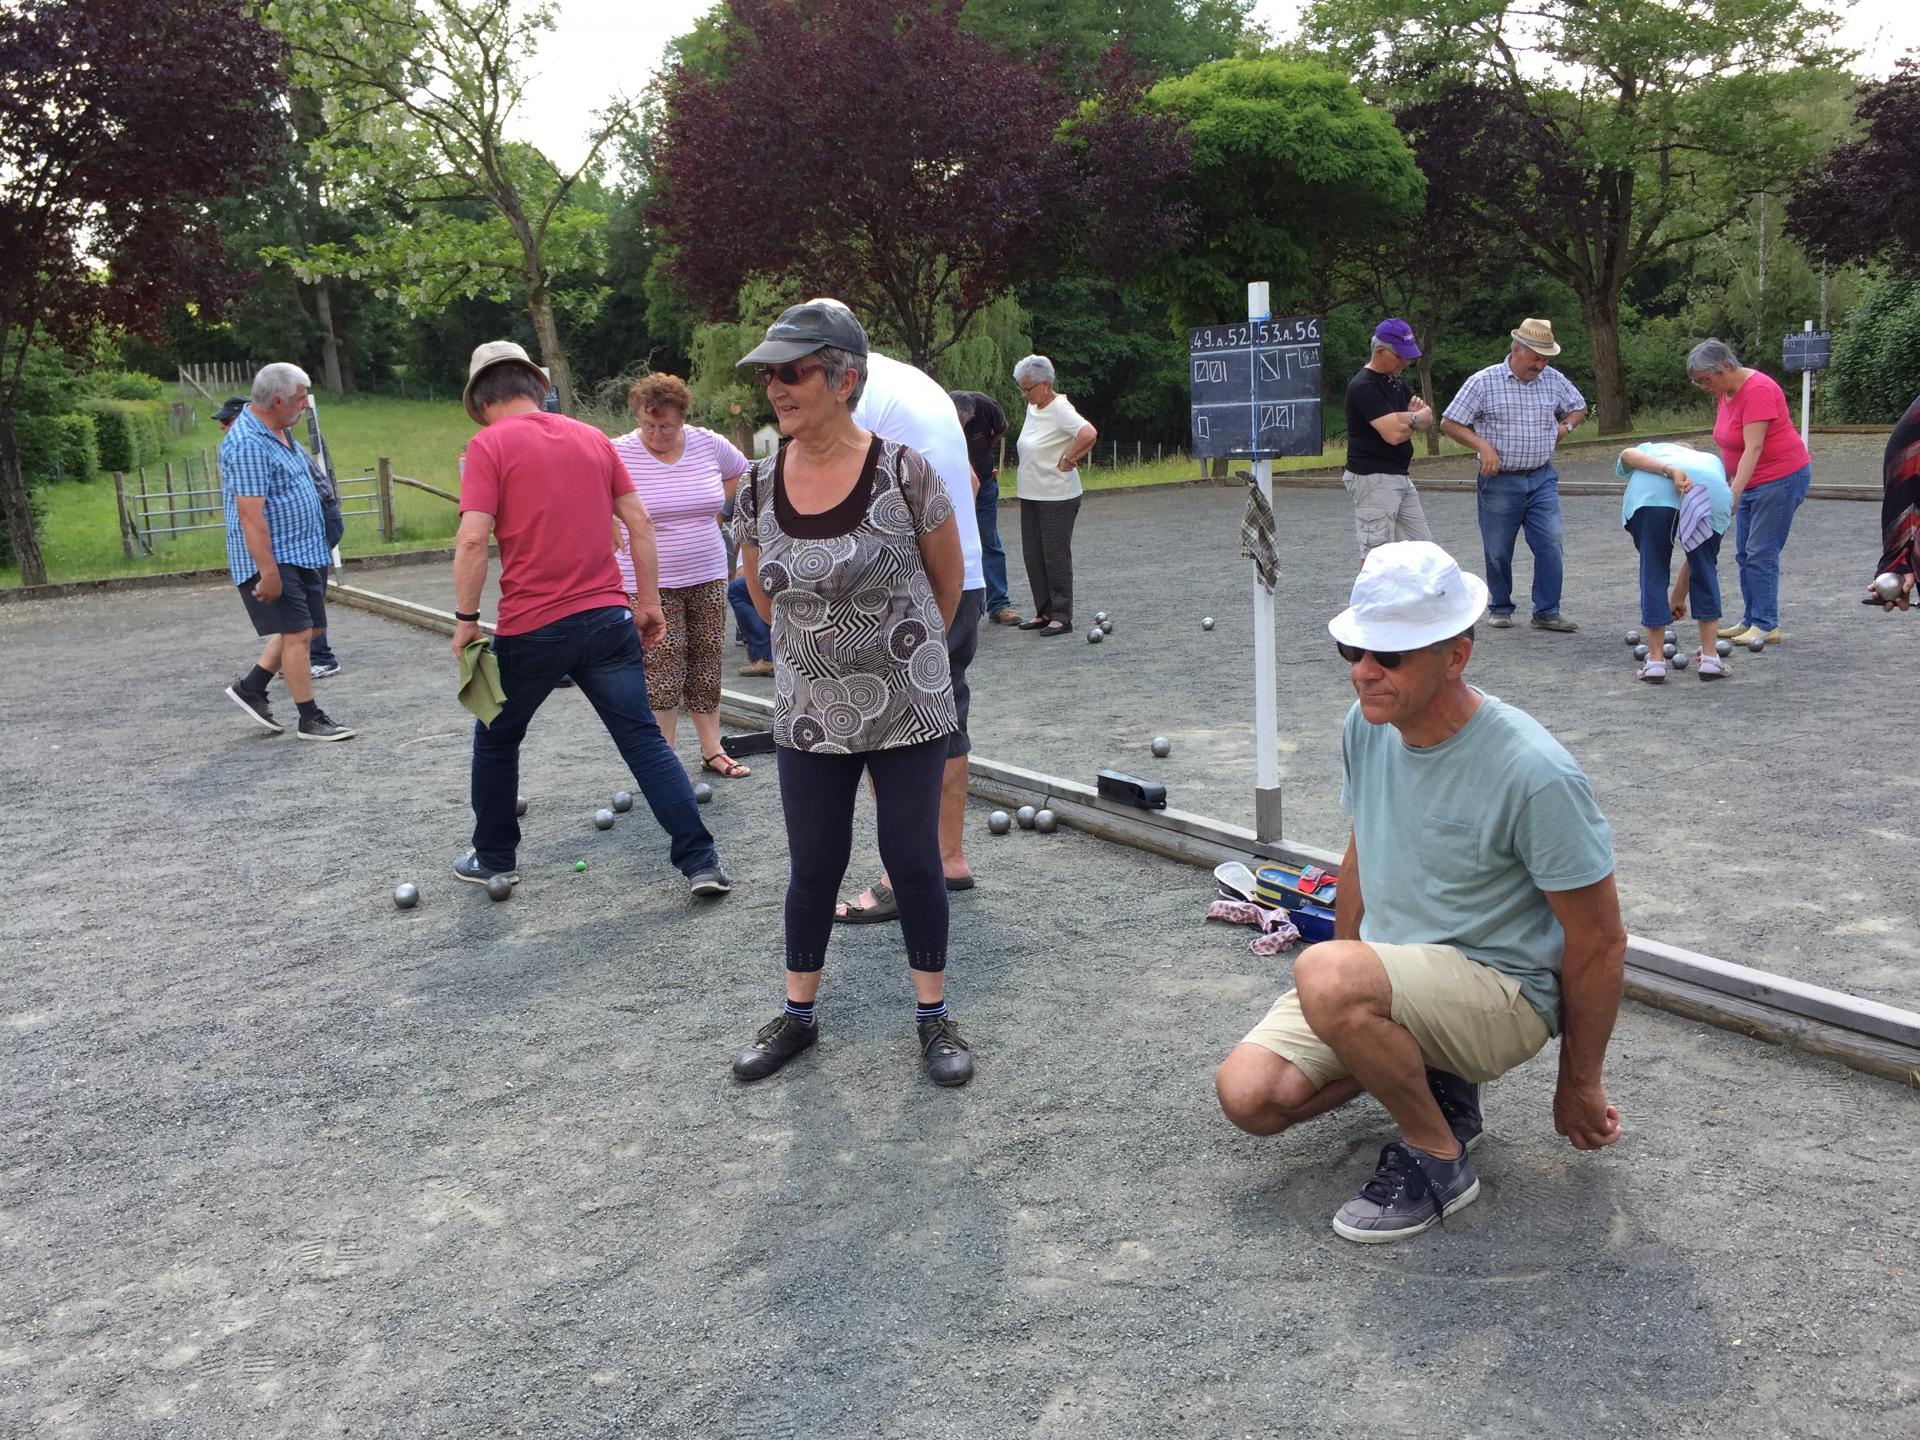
685	475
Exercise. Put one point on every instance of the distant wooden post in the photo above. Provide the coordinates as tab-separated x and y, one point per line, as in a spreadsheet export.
173	520
126	520
384	484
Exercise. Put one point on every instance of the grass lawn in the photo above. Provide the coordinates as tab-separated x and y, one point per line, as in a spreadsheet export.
80	533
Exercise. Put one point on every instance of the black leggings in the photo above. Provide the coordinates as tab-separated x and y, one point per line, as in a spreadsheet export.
817	791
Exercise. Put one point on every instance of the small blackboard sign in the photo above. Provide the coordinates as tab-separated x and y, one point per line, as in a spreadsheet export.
1807	350
1255	388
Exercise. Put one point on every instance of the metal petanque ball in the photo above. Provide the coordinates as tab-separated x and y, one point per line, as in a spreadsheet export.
1106	627
1633	637
1640	652
703	792
622	801
499	887
1161	747
1099	617
1025	816
406	896
1045	822
1756	645
1680	660
1206	622
1671	637
1723	647
1669	649
603	819
1887	585
1095	635
519	806
999	823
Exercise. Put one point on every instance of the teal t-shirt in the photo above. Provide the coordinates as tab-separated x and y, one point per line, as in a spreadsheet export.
1457	841
1646	488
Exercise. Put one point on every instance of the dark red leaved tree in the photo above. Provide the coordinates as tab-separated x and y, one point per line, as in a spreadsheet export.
1863	200
117	119
872	150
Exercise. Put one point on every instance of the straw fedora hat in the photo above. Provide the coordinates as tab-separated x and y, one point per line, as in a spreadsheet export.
1537	336
485	357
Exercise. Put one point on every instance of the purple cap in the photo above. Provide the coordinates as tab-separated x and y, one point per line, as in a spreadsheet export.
1397	336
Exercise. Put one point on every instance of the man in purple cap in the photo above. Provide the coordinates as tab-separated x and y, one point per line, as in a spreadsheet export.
1382	414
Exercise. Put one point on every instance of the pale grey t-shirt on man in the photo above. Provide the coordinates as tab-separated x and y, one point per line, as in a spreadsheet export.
1457	841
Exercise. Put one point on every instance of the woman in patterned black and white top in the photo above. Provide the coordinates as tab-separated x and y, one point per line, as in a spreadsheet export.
852	554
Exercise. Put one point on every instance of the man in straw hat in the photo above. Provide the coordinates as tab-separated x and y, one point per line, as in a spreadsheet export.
547	487
1476	913
1513	415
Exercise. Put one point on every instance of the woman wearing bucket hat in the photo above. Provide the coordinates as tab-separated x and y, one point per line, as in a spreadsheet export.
852	554
1676	493
1768	470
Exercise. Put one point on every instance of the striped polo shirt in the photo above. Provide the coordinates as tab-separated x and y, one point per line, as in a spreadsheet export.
254	461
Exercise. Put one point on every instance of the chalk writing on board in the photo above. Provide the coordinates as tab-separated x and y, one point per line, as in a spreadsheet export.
1255	388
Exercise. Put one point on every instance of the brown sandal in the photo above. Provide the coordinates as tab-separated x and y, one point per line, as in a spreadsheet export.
731	768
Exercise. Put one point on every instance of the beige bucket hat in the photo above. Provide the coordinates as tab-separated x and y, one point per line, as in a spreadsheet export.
1537	336
485	357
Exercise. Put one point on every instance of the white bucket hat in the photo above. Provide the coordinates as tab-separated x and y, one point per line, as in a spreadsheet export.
1409	594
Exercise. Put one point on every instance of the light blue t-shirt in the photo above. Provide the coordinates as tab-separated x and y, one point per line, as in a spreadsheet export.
1646	488
1457	841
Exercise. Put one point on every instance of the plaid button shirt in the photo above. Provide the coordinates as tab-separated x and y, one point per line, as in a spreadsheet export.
1520	421
254	462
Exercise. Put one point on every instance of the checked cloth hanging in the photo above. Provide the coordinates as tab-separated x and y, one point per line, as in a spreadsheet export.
1257	540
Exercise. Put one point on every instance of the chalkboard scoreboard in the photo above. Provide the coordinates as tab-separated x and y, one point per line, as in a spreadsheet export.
1255	388
1806	350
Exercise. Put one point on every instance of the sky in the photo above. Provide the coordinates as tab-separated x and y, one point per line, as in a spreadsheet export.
604	47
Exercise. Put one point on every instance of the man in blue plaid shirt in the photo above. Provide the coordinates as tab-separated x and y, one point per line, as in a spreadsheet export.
277	548
1513	415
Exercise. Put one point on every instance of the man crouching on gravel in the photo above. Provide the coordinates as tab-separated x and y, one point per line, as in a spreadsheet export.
1476	914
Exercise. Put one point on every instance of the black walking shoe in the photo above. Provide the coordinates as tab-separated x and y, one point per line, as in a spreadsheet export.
944	1053
1459	1102
318	727
711	881
470	869
257	707
777	1042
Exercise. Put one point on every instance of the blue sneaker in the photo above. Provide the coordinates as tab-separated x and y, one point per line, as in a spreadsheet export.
1409	1194
1459	1102
470	868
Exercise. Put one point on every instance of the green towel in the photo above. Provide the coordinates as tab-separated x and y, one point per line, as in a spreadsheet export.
480	689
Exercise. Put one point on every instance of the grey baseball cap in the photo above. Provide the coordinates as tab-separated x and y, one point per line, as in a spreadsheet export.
803	329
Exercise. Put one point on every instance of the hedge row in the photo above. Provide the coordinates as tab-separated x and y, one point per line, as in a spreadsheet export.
57	447
131	432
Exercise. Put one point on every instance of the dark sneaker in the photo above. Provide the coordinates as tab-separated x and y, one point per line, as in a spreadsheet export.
1409	1194
777	1042
470	868
1459	1102
257	707
1500	622
322	672
945	1054
710	881
1556	622
318	727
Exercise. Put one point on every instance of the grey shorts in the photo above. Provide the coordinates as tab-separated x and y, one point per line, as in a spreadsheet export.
963	639
302	604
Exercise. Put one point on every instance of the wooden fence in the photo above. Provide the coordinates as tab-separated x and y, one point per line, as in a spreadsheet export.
217	382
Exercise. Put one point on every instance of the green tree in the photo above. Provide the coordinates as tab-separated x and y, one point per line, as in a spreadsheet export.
1288	163
418	100
1627	130
1161	37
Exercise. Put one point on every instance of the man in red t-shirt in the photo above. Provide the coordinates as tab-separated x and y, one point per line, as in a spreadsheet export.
546	488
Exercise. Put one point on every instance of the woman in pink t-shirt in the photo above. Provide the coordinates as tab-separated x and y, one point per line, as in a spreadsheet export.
1768	470
685	475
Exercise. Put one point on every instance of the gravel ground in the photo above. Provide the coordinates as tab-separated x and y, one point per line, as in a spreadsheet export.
286	1161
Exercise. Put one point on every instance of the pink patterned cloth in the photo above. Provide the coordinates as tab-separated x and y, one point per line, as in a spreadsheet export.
1277	931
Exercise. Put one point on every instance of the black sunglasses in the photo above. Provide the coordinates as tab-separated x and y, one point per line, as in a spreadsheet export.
1385	659
789	374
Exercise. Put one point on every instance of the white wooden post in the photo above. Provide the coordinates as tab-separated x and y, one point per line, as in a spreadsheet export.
1806	396
1266	680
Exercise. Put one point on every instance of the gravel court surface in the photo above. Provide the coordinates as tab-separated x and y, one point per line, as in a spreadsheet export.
287	1161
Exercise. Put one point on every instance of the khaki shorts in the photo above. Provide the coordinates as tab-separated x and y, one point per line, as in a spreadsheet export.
1469	1018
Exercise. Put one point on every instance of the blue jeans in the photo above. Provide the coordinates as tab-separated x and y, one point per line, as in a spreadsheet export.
1764	517
993	556
758	637
321	653
600	650
1510	500
1652	528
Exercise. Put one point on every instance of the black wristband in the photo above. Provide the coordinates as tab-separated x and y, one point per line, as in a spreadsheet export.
468	619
